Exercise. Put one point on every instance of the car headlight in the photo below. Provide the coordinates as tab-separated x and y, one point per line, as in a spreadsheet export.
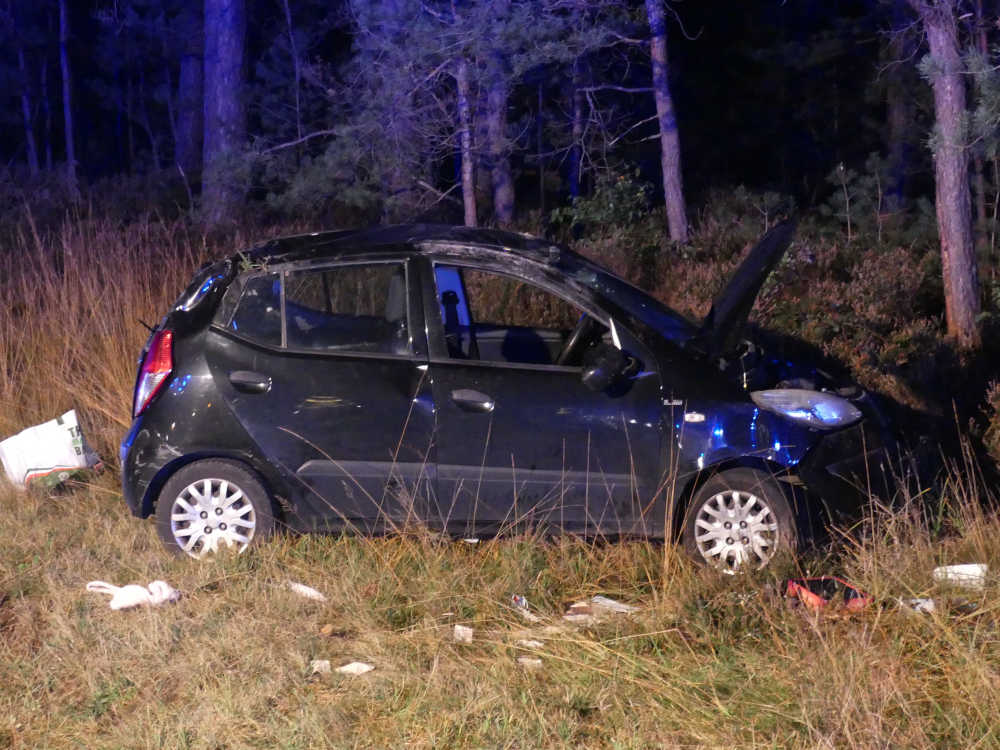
814	408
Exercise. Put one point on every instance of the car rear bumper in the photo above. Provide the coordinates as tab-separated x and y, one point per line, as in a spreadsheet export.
134	480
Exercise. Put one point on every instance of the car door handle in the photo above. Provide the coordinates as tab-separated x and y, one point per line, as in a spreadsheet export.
469	400
250	382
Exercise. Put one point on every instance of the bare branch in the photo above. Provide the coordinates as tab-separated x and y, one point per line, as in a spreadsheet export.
628	130
623	89
680	23
297	141
441	196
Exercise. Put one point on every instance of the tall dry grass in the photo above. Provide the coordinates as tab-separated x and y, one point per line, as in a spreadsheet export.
707	661
73	299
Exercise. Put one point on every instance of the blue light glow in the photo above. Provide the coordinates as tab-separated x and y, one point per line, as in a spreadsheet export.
828	412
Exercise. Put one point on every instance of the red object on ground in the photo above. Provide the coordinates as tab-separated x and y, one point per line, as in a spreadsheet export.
817	593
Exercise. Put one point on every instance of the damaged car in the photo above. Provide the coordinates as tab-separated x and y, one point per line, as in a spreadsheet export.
476	381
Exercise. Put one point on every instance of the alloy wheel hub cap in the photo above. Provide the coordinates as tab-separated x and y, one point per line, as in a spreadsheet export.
210	514
735	529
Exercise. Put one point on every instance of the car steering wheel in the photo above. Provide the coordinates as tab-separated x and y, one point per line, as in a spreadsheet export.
578	338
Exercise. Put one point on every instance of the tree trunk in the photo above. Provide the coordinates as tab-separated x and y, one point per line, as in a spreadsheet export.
146	124
225	116
47	115
465	141
670	144
484	170
190	105
29	131
951	172
979	180
499	156
296	67
899	114
67	102
576	147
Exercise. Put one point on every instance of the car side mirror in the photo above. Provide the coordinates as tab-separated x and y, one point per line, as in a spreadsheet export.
604	365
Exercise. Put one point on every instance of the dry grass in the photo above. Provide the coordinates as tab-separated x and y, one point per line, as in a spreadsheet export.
708	660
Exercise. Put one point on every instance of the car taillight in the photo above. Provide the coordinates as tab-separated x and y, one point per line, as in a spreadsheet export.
155	369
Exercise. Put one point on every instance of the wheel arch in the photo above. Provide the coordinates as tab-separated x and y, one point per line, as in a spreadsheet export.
162	476
684	496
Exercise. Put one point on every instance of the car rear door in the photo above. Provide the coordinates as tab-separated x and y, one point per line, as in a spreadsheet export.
325	367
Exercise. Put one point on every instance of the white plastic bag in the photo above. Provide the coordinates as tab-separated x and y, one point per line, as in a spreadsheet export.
47	454
134	595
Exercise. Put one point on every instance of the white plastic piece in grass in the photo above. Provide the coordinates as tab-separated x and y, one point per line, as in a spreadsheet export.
529	644
319	666
530	662
970	575
590	611
47	454
134	595
463	634
608	603
471	540
924	606
520	604
307	591
355	668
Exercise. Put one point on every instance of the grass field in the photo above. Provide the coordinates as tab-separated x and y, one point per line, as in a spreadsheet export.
707	661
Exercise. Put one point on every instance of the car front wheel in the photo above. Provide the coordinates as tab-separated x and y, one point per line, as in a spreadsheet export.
212	505
739	520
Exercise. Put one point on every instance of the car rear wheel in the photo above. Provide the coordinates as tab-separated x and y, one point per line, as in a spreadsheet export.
211	505
739	520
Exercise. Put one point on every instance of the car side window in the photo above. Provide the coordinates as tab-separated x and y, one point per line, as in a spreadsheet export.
257	316
499	318
359	308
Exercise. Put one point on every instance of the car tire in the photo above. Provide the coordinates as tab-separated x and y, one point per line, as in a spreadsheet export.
739	519
210	505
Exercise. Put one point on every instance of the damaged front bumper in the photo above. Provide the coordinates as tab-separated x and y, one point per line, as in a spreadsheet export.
849	468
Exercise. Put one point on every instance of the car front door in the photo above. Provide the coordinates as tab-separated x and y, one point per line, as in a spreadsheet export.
520	440
321	367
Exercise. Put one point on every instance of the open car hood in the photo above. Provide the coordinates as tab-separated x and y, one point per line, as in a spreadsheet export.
723	327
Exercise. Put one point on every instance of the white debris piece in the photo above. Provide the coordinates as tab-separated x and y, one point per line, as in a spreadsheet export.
134	595
355	667
47	454
612	605
529	662
970	575
319	666
528	643
597	607
924	606
307	591
520	605
580	613
463	634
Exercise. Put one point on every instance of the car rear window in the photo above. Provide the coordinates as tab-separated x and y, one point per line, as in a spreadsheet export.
258	314
358	308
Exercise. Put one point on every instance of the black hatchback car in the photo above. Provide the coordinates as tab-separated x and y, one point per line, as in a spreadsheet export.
476	381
